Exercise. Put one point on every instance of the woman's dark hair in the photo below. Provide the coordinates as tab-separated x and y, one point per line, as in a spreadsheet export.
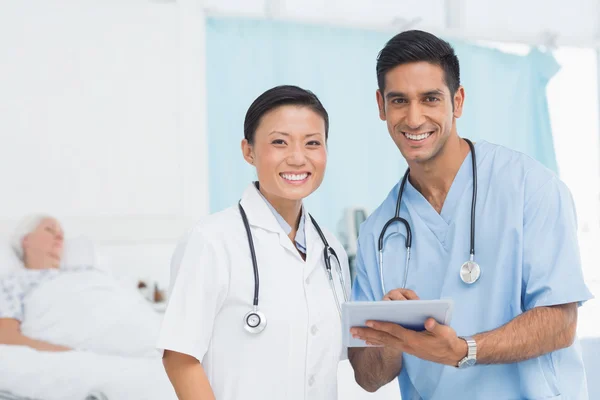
277	97
415	46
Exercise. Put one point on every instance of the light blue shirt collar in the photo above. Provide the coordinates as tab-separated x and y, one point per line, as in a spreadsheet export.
300	239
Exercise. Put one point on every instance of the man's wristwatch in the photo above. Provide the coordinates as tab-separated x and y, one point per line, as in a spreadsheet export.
471	357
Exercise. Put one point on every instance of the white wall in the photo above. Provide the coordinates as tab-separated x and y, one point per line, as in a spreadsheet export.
102	124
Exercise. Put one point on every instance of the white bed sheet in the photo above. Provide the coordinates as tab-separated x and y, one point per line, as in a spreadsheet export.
89	310
75	374
113	329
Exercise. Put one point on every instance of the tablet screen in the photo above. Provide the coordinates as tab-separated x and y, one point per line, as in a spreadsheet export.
410	314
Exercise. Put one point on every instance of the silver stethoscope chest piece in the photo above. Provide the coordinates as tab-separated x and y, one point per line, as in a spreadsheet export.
470	272
255	321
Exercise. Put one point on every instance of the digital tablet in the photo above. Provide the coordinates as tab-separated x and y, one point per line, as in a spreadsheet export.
410	314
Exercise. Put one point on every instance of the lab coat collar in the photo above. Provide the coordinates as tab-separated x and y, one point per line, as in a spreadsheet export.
258	212
260	216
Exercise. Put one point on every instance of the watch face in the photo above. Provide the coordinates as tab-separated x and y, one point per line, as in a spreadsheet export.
469	362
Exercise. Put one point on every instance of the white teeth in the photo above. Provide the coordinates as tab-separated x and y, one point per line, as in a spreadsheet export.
417	137
293	177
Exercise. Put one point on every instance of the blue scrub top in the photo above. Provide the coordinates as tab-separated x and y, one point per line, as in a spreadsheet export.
526	245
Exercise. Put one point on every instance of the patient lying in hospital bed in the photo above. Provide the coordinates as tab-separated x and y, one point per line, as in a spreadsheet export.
75	329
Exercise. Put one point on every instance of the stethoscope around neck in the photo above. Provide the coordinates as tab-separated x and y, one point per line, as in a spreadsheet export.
255	320
469	270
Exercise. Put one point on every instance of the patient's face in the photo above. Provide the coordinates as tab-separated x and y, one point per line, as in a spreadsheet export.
43	248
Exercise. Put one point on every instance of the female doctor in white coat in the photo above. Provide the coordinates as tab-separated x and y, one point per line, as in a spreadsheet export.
270	329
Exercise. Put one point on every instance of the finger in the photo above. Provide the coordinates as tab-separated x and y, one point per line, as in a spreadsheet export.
394	296
378	338
368	334
410	295
357	332
392	329
437	329
401	294
398	337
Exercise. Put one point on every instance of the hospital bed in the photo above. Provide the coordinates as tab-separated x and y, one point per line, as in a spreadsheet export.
84	374
27	373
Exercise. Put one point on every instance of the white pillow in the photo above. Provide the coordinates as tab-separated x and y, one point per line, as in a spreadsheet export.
78	252
8	259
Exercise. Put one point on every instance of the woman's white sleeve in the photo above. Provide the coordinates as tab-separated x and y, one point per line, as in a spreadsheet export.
199	284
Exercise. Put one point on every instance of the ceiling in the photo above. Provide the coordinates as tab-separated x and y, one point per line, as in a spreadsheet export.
553	22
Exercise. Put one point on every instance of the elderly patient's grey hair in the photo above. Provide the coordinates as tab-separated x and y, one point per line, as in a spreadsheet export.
27	225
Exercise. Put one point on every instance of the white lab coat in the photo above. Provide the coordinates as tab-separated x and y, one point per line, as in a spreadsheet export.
212	288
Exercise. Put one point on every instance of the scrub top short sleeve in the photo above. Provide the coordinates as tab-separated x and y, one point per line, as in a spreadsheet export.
362	288
199	281
552	271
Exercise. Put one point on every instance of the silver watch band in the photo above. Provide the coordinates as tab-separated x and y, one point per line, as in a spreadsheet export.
471	357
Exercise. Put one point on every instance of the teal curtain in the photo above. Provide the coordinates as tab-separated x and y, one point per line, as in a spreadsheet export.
506	99
505	104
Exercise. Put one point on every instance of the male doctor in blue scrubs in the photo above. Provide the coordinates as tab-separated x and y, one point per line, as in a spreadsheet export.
513	329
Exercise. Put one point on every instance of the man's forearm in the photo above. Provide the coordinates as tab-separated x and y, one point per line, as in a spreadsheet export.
531	334
374	366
